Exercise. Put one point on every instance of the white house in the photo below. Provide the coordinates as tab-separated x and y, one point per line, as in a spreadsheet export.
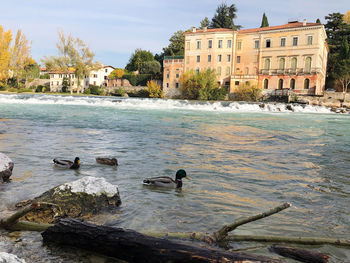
96	78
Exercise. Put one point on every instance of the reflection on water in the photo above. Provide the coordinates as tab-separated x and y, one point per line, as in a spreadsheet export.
240	164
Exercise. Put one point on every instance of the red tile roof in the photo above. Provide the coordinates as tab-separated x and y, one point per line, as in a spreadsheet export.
210	30
286	26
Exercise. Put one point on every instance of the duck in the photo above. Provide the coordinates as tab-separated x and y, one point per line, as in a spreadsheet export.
66	164
165	181
107	161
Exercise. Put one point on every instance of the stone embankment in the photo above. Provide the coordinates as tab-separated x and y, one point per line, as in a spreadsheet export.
6	167
334	100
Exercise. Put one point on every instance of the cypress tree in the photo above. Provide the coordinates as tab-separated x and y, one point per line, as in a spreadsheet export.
264	22
318	21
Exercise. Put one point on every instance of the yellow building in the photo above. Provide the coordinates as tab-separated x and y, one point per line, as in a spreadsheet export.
291	56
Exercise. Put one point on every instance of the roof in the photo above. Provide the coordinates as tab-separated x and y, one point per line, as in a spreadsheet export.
210	30
286	26
173	57
108	66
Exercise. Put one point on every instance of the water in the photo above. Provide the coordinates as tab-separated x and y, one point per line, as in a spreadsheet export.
242	160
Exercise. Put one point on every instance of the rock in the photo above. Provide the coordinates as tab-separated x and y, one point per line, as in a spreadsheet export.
107	161
6	167
262	105
10	258
333	109
79	199
289	107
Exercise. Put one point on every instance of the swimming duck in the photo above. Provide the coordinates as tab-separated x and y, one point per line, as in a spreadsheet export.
66	164
165	181
107	161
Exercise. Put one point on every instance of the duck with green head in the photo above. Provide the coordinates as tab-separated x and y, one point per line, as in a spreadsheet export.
167	182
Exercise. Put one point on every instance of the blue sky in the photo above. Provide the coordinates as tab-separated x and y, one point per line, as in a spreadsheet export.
113	29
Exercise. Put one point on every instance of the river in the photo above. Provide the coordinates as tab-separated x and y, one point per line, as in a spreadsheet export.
242	160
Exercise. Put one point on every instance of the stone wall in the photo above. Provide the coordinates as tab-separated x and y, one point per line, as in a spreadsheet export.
329	99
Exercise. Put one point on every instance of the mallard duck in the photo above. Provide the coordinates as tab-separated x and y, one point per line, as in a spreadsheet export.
107	161
66	164
165	181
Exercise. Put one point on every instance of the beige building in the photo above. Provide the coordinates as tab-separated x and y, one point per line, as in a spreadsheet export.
291	56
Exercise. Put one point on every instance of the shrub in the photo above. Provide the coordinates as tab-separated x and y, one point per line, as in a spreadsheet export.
45	76
154	89
150	67
120	91
95	90
247	92
201	85
39	88
12	90
137	80
24	90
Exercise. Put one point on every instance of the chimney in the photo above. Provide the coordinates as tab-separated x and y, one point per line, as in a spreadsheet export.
304	22
205	29
194	29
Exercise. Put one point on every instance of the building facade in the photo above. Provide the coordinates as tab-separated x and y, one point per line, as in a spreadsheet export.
96	78
291	56
173	69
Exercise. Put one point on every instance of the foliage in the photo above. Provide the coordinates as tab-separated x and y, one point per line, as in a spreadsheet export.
143	93
74	53
39	88
264	22
347	17
120	91
205	23
65	84
32	70
154	89
177	44
137	58
118	73
247	92
201	85
5	53
318	21
24	90
150	67
224	16
45	76
95	90
137	80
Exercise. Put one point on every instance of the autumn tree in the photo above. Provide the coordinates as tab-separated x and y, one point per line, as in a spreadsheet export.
74	55
224	17
117	73
5	53
347	17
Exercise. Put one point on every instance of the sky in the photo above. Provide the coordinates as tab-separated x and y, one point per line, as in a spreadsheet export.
113	29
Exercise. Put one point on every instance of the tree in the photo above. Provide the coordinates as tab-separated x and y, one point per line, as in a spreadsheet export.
264	22
318	21
5	53
176	46
201	85
154	89
31	70
347	17
74	55
205	23
150	67
137	58
224	16
118	73
342	68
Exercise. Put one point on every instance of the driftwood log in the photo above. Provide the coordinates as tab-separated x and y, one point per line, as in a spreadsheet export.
135	247
299	254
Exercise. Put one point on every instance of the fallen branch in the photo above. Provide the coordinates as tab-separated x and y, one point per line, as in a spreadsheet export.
299	254
132	246
222	233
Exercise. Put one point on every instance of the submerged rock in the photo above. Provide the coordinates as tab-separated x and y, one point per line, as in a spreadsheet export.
10	258
79	199
6	167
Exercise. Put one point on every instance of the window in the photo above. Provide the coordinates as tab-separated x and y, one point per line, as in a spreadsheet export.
177	75
52	76
220	44
228	58
60	76
197	70
306	83
95	75
292	84
239	45
177	85
198	58
237	83
256	44
105	77
295	41
309	40
293	64
266	83
94	83
72	83
228	69
58	83
209	58
246	71
280	84
188	45
198	44
267	64
219	58
167	75
281	63
86	83
218	71
167	85
106	70
210	43
238	59
268	43
187	60
283	42
308	64
229	43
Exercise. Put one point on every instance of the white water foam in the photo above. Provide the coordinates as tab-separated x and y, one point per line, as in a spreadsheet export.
158	104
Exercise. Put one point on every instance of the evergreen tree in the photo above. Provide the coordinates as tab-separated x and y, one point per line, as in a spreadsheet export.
204	23
224	16
137	58
264	22
318	21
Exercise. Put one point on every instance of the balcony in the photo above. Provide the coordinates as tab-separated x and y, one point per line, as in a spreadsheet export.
290	71
242	76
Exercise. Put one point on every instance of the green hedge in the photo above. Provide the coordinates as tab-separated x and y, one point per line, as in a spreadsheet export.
137	80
